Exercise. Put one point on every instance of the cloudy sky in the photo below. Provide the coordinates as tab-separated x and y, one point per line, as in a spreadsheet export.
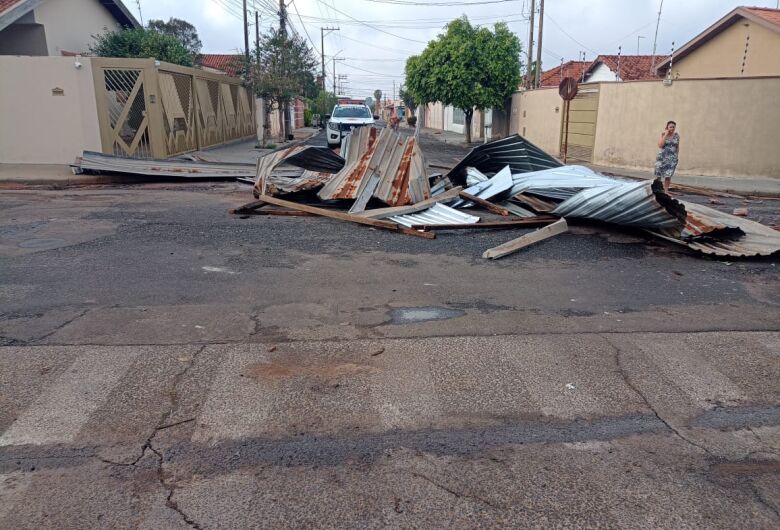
376	36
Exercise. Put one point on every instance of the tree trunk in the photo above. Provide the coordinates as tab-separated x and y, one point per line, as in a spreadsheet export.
469	113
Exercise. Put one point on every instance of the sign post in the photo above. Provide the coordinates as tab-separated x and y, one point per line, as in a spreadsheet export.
567	90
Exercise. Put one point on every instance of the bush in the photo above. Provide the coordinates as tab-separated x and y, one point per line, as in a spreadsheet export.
412	121
140	43
307	115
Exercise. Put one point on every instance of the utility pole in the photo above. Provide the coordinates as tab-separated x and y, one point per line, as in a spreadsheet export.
257	35
393	90
528	75
334	72
539	46
285	109
246	35
322	48
655	39
140	15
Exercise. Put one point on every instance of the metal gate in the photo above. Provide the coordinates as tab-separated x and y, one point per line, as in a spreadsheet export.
582	124
149	109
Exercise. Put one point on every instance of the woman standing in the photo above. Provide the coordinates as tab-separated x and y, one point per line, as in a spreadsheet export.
666	160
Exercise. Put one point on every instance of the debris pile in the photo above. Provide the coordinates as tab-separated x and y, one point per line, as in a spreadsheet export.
382	181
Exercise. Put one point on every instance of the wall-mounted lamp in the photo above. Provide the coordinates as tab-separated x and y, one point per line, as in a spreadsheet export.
77	64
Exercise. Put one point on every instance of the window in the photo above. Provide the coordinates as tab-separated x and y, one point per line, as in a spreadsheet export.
458	116
351	112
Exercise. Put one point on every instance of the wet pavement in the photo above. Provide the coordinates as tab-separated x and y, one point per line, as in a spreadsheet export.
167	365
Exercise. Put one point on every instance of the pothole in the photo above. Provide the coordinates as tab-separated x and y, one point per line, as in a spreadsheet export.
410	315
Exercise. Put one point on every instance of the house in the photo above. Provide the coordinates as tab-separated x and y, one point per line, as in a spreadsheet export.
225	63
744	43
554	76
623	68
58	27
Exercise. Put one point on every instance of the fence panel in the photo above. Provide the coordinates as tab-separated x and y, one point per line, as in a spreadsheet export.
149	109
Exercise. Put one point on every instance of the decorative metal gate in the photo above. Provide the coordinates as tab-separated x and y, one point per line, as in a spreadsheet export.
149	109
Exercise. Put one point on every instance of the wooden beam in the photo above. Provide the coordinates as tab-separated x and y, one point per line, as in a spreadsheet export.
487	205
379	213
341	216
529	222
514	245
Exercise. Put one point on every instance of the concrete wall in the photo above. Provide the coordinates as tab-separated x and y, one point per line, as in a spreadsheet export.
70	24
727	127
37	126
722	56
536	115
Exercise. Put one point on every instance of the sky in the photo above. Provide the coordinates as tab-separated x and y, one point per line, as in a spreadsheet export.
376	36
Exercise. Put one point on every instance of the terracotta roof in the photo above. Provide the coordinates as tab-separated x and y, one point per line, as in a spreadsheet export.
632	67
764	16
8	4
230	63
553	76
772	15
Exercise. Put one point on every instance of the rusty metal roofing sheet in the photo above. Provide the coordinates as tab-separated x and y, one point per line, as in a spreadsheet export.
397	160
515	151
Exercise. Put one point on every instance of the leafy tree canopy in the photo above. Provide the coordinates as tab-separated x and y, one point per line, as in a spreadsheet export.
141	43
283	67
409	102
369	102
466	67
181	30
323	103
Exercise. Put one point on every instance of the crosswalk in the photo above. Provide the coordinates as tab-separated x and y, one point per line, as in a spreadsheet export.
408	385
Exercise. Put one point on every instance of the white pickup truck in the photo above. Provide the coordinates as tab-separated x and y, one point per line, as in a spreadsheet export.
345	118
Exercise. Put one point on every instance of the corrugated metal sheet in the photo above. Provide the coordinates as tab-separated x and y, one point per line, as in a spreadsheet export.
486	189
559	183
514	151
296	169
397	160
623	203
91	162
438	214
752	238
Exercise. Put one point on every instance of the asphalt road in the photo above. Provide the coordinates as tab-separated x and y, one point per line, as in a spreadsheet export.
167	365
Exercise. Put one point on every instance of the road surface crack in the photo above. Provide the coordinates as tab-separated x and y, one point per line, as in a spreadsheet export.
456	494
624	375
59	327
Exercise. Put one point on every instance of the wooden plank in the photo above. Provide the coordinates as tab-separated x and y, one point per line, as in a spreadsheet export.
514	245
487	205
529	222
380	213
341	216
248	207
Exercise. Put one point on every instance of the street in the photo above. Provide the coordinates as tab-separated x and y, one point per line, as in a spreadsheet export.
167	365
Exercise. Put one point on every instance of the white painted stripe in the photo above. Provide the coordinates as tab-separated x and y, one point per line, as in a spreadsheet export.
64	407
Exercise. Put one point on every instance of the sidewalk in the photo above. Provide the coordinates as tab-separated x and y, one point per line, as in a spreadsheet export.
749	185
60	175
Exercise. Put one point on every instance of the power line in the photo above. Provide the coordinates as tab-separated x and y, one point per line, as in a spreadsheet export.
551	19
376	28
438	4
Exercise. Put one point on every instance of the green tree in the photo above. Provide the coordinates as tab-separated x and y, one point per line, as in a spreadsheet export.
369	102
466	67
409	101
183	31
141	43
323	104
283	67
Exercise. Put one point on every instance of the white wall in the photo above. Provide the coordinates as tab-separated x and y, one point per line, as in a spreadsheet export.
38	127
601	73
70	24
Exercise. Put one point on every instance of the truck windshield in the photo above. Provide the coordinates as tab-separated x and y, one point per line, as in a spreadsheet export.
351	112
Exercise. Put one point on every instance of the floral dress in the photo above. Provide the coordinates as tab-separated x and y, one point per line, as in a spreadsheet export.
666	160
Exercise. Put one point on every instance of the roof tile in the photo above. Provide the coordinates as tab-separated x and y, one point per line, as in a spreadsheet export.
230	63
772	15
5	5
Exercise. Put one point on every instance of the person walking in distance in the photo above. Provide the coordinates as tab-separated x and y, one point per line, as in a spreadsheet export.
668	155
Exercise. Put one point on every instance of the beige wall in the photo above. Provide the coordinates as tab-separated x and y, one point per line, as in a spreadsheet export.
536	115
38	127
70	24
722	56
727	127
